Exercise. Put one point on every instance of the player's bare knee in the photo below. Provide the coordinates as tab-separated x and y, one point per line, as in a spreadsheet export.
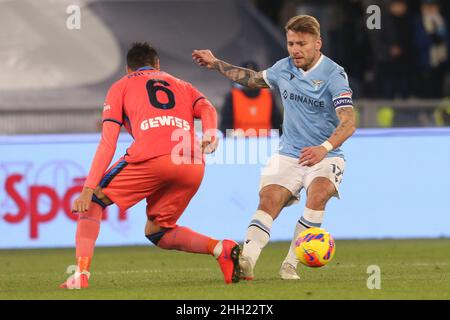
317	200
271	202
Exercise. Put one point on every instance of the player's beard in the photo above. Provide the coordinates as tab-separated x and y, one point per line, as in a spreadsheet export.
308	63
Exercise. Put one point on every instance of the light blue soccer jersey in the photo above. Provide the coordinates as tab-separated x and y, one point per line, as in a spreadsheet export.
310	100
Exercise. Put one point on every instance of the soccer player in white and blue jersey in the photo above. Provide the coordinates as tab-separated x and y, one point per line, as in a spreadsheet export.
318	119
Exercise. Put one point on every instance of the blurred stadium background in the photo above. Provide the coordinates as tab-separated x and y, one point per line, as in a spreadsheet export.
53	81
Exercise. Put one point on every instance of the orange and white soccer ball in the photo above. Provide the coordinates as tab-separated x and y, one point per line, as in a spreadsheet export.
314	247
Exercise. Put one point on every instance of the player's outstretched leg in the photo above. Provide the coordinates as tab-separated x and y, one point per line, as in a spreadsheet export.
288	270
272	199
311	218
258	236
184	239
88	228
320	191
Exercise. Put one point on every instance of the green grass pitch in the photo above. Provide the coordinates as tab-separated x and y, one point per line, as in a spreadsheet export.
410	269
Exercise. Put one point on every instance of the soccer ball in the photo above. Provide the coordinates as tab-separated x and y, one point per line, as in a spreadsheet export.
314	247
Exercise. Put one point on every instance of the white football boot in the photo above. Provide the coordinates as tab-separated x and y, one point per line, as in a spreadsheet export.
246	272
288	272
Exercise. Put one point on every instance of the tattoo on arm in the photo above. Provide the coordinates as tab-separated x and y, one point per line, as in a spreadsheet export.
245	77
345	114
345	128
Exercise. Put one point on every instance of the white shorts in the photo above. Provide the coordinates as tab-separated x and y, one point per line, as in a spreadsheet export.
288	173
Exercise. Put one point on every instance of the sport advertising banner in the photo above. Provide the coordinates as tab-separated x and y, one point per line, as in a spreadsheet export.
394	186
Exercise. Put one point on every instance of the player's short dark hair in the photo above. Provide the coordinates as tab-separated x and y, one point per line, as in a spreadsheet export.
141	54
303	23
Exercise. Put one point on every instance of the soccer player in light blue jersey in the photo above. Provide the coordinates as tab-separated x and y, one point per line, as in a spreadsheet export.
318	119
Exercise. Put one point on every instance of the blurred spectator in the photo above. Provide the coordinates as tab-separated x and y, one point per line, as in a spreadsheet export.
407	58
396	69
430	48
391	46
349	44
247	108
393	62
442	114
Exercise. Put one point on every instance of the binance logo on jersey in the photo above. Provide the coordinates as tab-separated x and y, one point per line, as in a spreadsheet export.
302	99
162	121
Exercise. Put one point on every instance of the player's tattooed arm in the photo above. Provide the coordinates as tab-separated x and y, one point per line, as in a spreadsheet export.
310	156
243	76
346	126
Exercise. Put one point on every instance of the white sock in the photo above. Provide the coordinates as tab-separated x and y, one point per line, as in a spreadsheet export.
258	235
310	218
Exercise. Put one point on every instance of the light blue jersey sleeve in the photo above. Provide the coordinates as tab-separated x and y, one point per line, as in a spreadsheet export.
340	90
271	74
